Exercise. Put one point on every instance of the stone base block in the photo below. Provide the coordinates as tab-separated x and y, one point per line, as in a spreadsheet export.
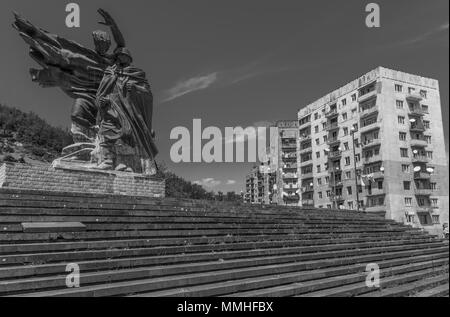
68	179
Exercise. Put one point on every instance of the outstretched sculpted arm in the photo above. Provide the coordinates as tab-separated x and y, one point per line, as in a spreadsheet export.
109	21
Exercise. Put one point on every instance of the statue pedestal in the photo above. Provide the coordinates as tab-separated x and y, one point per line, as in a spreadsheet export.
66	178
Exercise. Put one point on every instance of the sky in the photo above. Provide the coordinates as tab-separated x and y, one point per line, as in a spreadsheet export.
235	62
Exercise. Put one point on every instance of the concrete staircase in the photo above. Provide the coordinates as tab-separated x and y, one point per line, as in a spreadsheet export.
164	247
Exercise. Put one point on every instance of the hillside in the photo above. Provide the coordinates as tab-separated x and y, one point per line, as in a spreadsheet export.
27	138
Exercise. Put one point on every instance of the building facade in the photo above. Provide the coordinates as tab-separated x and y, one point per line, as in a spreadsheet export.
276	180
377	144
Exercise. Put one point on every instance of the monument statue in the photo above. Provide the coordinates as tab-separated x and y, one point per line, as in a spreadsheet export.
112	112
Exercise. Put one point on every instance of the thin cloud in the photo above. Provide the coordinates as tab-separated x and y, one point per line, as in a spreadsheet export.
425	36
231	182
190	85
250	136
208	182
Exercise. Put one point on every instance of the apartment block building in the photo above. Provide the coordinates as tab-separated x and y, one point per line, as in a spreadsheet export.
260	185
287	189
276	180
377	144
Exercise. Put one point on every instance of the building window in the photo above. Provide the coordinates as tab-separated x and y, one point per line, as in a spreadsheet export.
318	169
423	94
428	139
430	154
316	116
436	220
405	168
354	97
319	181
434	202
325	138
398	88
426	124
402	136
406	185
328	193
345	131
358	158
346	147
401	120
348	175
404	152
399	104
344	116
411	90
408	201
324	125
349	190
355	127
433	186
347	160
425	108
380	185
317	141
320	195
316	129
350	204
327	180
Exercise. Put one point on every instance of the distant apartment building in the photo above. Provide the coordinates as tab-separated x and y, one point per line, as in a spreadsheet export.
377	144
260	184
276	181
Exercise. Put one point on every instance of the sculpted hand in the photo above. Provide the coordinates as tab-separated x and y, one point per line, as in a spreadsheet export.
108	20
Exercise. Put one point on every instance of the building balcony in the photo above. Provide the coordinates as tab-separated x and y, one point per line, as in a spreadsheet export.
421	175
306	150
308	203
414	97
417	127
291	186
416	111
369	111
308	189
307	175
376	192
292	198
304	124
424	209
420	159
371	143
370	127
332	127
419	142
331	113
367	96
333	141
335	155
372	159
304	138
306	162
338	184
288	146
290	176
289	156
377	175
290	166
423	191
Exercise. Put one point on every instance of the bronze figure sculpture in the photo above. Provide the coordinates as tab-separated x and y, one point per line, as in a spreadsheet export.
112	112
